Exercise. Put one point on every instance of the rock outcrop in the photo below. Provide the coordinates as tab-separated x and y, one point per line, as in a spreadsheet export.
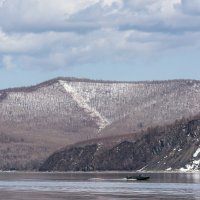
163	148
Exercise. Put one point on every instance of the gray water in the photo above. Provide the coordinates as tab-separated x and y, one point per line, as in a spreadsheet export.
57	186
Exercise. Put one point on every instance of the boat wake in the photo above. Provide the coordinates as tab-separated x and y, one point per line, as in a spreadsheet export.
103	179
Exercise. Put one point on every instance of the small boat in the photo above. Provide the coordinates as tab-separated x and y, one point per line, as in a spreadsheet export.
138	178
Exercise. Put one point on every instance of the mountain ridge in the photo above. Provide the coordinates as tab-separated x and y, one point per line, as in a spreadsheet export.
75	79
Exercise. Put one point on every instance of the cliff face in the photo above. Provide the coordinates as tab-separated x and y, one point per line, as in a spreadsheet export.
168	148
64	111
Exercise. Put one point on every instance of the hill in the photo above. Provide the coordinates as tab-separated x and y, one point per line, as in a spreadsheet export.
40	119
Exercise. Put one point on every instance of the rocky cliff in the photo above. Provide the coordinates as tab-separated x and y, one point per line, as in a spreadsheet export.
175	147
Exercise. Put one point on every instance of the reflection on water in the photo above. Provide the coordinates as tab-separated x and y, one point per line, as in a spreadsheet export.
14	186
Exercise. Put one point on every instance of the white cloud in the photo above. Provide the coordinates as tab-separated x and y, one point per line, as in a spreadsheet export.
63	33
37	15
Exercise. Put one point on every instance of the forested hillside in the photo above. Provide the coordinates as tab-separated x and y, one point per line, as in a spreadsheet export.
43	118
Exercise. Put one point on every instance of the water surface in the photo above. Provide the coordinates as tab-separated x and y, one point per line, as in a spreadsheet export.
60	186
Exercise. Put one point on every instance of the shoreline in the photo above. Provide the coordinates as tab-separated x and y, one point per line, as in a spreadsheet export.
102	172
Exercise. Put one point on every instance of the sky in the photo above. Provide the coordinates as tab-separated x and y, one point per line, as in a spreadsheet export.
128	40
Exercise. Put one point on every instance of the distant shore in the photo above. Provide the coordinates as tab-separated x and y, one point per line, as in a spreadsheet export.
100	172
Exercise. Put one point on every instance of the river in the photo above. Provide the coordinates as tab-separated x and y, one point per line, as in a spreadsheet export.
98	185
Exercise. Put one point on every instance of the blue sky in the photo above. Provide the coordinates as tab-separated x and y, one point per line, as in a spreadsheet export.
98	39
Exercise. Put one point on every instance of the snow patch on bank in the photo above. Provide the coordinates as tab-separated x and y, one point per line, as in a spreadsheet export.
101	121
194	165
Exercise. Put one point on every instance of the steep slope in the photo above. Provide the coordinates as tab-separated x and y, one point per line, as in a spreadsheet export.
167	148
64	111
100	120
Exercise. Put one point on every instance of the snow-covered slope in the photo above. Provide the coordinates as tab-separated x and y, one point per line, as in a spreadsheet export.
101	121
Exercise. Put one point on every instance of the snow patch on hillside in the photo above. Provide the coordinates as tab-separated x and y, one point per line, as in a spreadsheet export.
196	153
101	121
194	165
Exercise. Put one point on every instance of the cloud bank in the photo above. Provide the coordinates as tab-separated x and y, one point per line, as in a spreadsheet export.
51	34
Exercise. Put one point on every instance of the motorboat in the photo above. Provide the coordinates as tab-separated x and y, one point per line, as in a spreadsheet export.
138	177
